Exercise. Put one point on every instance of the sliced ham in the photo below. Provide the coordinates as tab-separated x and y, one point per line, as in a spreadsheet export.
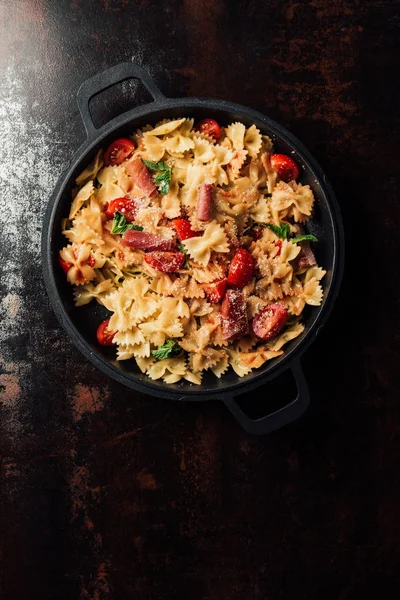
306	256
234	315
146	241
204	203
138	171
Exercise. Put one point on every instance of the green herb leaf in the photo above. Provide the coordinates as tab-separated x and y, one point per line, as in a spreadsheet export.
182	248
304	238
163	177
155	166
119	224
170	348
282	231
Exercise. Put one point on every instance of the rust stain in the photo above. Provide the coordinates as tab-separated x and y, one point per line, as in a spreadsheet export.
9	388
79	490
87	400
146	480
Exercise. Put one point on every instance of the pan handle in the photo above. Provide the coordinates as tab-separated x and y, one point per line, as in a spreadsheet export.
279	418
102	81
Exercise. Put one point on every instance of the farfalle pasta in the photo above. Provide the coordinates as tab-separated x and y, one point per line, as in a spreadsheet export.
191	236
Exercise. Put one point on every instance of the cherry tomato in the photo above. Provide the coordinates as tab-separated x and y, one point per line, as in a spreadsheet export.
215	291
91	261
166	262
210	127
118	151
126	206
285	166
183	229
64	264
241	269
269	321
104	335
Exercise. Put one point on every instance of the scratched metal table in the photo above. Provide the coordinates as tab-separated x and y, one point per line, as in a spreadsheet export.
107	494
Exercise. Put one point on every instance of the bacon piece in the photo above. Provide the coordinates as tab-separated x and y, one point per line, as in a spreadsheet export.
269	321
146	241
233	311
204	203
138	171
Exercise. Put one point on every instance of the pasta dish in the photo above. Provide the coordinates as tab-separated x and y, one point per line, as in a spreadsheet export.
191	236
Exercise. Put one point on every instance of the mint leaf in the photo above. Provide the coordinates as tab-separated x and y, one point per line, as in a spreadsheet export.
182	248
170	348
163	177
119	224
282	231
155	166
304	238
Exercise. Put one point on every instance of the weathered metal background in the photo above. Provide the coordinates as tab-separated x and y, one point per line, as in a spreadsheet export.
107	494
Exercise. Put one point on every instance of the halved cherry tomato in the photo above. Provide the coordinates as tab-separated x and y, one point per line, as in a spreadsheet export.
64	264
126	206
241	269
104	335
210	127
278	244
269	321
215	291
183	229
285	166
118	151
166	262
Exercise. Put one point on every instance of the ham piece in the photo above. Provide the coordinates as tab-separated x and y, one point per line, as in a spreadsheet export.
234	315
138	171
146	241
204	203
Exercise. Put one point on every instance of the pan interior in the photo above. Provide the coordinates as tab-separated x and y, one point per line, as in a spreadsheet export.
83	321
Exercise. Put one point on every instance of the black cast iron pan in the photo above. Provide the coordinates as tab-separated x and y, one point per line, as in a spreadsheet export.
81	323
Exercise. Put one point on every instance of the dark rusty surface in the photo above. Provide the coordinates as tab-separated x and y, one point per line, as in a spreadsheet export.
107	494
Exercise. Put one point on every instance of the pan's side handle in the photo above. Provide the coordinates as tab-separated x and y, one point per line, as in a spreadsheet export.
279	418
102	81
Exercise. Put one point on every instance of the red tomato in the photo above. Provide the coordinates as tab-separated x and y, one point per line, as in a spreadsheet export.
118	151
278	244
210	127
183	229
104	335
64	264
166	262
241	269
91	261
269	321
126	206
215	291
285	166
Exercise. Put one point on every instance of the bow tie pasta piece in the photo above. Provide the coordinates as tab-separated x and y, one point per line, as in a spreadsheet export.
235	133
252	141
292	200
214	238
154	147
166	128
82	196
91	170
